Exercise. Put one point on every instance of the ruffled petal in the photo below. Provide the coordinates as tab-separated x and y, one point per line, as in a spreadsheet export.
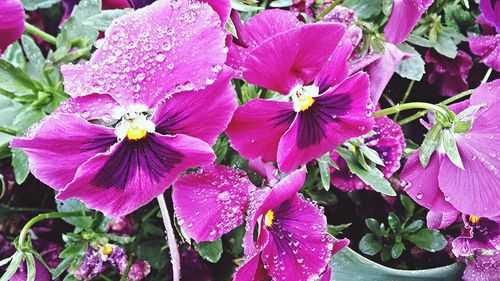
60	144
298	248
483	268
405	15
488	48
422	184
211	202
438	220
221	7
486	93
202	114
132	173
336	68
257	127
291	58
252	270
91	107
474	190
265	170
11	22
152	52
340	114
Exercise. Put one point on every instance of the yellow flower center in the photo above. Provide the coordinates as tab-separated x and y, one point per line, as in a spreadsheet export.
268	220
474	219
136	133
107	249
305	102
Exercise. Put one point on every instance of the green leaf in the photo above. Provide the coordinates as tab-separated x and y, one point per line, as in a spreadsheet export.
20	165
26	117
408	205
72	250
385	253
324	170
15	80
445	45
365	9
323	197
414	226
420	41
5	261
469	112
210	250
371	154
74	28
369	245
221	147
61	267
373	178
33	53
394	222
430	143
32	5
103	20
150	252
397	250
349	265
8	112
73	205
242	7
31	268
451	149
14	54
13	266
412	68
373	225
387	7
235	241
280	3
335	230
428	239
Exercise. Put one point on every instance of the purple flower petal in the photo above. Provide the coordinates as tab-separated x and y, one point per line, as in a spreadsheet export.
221	7
298	247
335	70
486	93
132	173
405	15
11	22
488	48
202	114
491	11
211	202
339	114
474	190
41	272
152	52
483	268
438	220
483	234
90	107
265	170
257	126
60	145
293	57
252	269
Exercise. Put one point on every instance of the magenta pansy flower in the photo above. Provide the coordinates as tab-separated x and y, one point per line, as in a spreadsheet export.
405	15
388	140
292	243
450	74
148	105
321	107
212	201
444	188
11	22
478	234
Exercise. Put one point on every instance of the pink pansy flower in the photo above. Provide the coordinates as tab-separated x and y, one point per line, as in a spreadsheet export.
388	141
11	22
477	234
321	107
404	16
447	190
147	106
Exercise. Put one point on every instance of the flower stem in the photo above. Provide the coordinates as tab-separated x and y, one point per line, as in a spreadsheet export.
40	217
486	76
411	105
33	30
8	131
445	102
407	93
328	9
172	244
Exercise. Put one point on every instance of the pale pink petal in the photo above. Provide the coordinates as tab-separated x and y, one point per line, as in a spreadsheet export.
438	220
95	106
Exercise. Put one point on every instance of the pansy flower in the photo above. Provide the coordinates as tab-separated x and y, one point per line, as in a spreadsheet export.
387	140
11	22
321	107
477	234
450	74
147	106
445	189
292	242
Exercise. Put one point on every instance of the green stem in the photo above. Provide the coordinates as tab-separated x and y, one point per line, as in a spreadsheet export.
445	102
40	217
33	30
328	9
486	76
6	94
76	55
175	258
407	106
8	131
407	93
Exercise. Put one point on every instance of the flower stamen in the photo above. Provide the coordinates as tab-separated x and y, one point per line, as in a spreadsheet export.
474	219
268	220
135	133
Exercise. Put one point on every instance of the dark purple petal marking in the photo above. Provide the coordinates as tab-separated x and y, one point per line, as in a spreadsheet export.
323	111
101	143
146	156
168	125
284	117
